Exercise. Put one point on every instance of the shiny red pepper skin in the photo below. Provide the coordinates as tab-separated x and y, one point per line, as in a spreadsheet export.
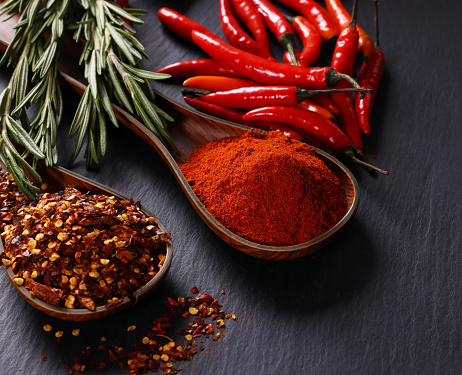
314	107
277	23
343	60
288	59
234	115
249	16
300	119
369	78
311	40
326	102
199	67
217	83
342	19
262	70
179	24
253	97
236	36
317	15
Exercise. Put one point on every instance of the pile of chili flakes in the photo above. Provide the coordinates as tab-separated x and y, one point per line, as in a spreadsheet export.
78	250
159	349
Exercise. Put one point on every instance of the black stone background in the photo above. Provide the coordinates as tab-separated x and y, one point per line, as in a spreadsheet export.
384	298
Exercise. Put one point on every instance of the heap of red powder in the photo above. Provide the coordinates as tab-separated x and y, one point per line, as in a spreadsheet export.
270	189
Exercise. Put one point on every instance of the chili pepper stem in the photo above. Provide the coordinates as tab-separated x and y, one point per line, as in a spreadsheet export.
333	77
305	94
287	41
355	155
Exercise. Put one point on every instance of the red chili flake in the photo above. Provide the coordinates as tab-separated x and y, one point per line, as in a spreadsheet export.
163	349
78	250
44	357
194	290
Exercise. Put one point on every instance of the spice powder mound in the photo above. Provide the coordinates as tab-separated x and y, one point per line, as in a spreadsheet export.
269	189
78	250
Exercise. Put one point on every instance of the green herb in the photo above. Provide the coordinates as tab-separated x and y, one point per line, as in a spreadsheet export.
33	53
111	57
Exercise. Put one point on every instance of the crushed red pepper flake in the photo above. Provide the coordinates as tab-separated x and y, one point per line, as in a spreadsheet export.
78	250
163	349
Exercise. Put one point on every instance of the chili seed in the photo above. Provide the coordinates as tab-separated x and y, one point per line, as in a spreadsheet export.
47	327
76	332
59	334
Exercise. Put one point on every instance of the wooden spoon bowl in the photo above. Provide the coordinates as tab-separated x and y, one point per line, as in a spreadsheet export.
192	129
59	178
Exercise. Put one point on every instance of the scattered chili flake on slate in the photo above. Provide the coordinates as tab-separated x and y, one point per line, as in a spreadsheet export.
159	349
78	250
194	290
44	357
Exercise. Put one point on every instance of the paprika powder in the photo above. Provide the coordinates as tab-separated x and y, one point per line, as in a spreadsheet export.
268	189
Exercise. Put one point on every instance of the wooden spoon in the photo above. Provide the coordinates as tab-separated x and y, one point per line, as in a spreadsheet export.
57	179
192	129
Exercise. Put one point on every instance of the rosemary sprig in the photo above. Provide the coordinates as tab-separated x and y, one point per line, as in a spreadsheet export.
112	55
34	49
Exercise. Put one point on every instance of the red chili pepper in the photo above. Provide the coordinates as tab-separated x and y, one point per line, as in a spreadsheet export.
217	83
268	72
234	115
311	40
288	59
314	107
317	15
326	131
278	24
250	17
326	102
199	68
342	19
343	60
370	77
260	96
299	118
236	36
180	24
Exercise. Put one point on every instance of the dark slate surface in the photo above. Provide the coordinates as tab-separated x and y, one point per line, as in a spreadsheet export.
384	298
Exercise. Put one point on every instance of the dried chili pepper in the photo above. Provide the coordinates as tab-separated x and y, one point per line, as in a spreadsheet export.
262	96
179	23
278	25
310	37
317	15
236	36
199	67
269	72
78	250
342	18
247	14
234	115
323	129
343	61
370	77
218	83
